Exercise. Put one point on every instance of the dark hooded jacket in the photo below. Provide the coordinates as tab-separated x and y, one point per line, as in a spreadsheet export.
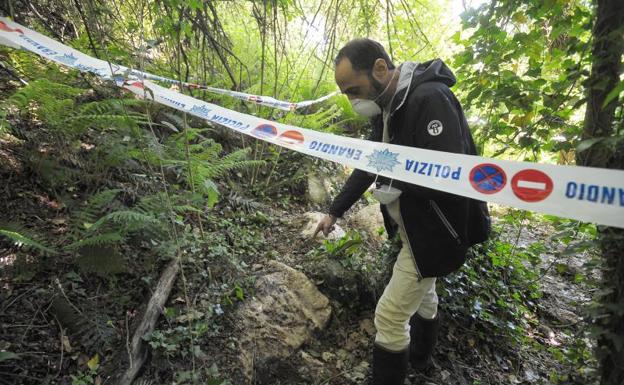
440	226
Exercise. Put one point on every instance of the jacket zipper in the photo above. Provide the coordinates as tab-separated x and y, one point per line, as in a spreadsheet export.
445	221
404	234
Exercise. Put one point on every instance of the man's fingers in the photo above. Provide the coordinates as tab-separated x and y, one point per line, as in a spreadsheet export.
325	227
319	227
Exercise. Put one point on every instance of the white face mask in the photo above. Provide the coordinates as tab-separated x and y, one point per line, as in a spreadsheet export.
386	194
366	107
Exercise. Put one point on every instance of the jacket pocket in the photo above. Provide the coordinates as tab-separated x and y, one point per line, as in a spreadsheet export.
445	222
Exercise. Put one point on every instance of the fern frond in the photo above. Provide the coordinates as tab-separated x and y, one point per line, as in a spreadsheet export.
153	204
21	240
96	240
96	205
126	218
111	106
108	119
43	90
50	102
102	198
234	161
182	209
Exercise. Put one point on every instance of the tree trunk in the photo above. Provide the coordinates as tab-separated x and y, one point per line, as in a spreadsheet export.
607	50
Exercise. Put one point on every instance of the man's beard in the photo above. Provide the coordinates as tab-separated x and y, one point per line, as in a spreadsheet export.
379	88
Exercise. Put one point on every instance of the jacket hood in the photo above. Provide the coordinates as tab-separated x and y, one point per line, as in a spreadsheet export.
413	74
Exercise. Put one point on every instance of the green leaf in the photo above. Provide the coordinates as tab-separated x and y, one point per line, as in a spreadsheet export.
22	241
615	92
212	192
588	143
94	362
4	356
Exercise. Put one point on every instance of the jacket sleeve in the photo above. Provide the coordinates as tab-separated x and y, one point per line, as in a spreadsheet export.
358	181
353	189
434	122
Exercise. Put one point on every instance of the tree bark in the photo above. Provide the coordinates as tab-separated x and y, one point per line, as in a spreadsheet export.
607	51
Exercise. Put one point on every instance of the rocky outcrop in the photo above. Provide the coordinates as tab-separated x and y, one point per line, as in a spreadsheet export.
285	311
370	221
318	188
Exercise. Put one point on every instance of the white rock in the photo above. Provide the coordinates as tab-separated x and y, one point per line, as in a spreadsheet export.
311	220
318	189
369	220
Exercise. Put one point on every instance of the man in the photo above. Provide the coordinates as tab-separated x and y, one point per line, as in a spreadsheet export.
411	105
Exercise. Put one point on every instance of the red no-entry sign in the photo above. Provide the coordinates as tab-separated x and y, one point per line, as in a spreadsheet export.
531	185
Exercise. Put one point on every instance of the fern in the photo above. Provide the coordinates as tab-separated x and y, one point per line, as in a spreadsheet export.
21	240
325	119
44	92
95	206
46	101
203	162
108	114
97	240
181	209
129	219
55	104
102	227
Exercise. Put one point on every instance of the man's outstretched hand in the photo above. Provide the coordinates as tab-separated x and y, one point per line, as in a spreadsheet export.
326	225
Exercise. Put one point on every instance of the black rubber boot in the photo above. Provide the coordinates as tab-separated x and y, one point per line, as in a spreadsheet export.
389	368
423	338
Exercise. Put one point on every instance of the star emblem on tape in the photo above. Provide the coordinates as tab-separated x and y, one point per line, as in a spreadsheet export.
68	59
383	160
200	110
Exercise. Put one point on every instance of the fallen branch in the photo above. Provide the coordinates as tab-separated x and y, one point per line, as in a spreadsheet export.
138	350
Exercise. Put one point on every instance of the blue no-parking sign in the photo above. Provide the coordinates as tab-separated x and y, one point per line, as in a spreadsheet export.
488	178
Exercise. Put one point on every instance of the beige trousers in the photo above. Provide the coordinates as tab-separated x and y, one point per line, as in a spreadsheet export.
406	294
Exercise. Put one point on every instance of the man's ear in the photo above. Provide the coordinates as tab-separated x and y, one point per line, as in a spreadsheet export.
380	69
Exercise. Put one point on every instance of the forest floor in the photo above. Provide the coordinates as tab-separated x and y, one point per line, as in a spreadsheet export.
480	343
341	353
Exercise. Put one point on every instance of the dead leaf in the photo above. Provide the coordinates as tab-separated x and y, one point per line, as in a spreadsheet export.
328	356
367	326
94	362
66	345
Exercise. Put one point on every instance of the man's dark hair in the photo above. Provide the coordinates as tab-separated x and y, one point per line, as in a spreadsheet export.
362	54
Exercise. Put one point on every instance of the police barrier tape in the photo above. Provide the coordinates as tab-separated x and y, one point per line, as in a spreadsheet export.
583	193
257	99
17	36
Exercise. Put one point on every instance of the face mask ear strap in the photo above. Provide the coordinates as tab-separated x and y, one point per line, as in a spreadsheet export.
387	86
377	177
